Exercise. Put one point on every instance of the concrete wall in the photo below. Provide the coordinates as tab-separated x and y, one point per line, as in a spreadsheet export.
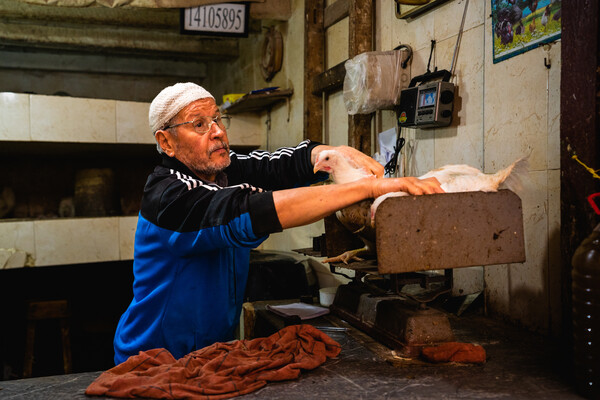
505	111
89	75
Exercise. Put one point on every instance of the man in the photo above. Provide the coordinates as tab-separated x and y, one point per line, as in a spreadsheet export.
202	212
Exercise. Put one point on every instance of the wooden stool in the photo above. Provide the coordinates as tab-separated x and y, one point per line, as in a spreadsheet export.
52	309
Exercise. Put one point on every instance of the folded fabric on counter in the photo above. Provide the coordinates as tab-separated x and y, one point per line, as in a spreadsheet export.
219	371
454	352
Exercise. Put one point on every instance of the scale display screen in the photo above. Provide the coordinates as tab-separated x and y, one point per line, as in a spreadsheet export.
427	97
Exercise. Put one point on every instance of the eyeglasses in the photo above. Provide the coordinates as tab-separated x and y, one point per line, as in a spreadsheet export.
204	124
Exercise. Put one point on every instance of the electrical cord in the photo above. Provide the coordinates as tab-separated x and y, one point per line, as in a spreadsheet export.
392	165
430	54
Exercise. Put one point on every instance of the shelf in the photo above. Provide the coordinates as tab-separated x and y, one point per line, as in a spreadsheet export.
101	123
259	101
63	241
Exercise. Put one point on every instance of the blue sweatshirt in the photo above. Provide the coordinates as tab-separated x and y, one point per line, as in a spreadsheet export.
192	248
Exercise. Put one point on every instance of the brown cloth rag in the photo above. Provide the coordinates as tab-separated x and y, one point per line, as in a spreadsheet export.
454	352
219	371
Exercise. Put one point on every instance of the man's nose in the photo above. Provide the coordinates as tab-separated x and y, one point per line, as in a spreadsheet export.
216	131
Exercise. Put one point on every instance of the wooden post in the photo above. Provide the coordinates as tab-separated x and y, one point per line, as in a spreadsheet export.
318	19
314	64
579	107
360	40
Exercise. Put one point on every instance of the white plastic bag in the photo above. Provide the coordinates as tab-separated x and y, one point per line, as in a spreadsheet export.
373	81
387	142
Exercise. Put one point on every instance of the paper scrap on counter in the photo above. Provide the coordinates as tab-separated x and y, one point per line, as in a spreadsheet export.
302	310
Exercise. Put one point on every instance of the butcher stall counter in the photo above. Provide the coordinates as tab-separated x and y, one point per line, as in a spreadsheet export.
520	365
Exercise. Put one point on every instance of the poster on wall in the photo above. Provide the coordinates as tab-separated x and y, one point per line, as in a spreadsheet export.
522	25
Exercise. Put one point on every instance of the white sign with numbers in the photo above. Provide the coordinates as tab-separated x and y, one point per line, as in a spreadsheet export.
227	19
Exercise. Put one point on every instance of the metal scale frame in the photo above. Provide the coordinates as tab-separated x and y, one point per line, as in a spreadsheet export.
419	240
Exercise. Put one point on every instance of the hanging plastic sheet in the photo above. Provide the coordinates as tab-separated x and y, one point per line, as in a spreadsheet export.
374	80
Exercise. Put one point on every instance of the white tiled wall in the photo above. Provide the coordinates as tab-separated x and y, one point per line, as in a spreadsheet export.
71	241
26	117
69	119
127	227
132	122
14	116
18	236
247	129
462	142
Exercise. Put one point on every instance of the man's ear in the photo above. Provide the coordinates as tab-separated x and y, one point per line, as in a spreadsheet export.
165	141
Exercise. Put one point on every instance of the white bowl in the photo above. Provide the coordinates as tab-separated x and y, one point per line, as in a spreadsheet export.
326	296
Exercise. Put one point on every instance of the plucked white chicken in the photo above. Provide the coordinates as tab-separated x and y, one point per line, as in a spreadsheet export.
453	178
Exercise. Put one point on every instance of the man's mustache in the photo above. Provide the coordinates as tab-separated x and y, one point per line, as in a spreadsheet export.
219	146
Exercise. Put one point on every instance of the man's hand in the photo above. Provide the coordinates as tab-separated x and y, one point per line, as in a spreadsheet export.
357	157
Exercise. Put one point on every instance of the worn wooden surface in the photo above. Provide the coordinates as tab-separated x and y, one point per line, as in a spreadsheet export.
360	41
317	81
41	310
331	80
367	370
450	230
314	64
336	12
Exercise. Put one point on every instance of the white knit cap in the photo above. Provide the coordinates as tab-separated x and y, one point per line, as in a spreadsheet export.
171	100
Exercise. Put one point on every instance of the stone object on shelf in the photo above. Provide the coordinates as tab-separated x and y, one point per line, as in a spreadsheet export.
95	193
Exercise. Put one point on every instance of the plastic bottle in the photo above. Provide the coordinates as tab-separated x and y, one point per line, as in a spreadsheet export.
586	315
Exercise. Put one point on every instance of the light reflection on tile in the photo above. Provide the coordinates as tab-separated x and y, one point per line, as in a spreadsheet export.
555	274
448	17
127	226
462	141
554	106
14	116
515	110
336	43
520	290
77	240
247	129
17	235
417	33
70	119
132	124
